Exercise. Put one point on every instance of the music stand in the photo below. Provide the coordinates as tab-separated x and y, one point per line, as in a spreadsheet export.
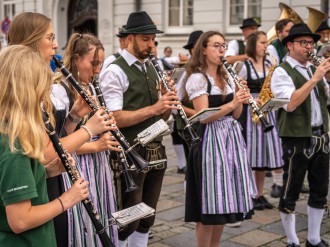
273	104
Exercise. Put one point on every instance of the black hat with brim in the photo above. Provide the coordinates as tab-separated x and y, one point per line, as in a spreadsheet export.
120	33
324	26
249	22
298	30
193	37
140	23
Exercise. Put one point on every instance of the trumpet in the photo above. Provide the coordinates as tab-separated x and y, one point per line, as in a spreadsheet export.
189	133
139	162
255	109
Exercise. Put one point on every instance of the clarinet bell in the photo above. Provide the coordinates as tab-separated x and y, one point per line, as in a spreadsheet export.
130	184
190	136
266	127
137	160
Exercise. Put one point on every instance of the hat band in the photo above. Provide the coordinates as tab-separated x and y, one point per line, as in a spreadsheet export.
143	28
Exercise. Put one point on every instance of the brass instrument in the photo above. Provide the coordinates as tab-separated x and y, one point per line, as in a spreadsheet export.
265	92
286	13
315	18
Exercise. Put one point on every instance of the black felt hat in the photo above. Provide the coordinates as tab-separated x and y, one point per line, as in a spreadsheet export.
120	33
249	22
324	26
193	37
140	23
298	30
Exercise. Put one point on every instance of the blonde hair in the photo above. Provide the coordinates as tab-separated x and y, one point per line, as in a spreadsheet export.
26	81
28	28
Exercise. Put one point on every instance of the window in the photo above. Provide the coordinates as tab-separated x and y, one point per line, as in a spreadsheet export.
242	9
179	15
9	9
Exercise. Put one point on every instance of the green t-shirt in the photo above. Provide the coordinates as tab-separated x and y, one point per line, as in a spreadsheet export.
22	178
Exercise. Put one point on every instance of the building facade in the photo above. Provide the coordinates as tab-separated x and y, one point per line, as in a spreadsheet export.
177	18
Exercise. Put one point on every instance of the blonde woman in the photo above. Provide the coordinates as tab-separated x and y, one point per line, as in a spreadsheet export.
25	211
36	31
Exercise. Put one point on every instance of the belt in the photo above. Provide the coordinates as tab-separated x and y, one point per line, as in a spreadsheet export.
317	131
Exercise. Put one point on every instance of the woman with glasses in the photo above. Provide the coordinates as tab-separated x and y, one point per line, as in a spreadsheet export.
263	149
219	180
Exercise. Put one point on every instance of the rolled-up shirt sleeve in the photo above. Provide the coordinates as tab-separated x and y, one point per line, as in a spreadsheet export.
113	87
282	85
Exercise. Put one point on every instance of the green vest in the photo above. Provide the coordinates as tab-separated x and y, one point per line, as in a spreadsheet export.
298	122
241	47
280	48
140	93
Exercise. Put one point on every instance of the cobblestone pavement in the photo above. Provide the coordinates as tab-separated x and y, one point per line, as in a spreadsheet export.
264	229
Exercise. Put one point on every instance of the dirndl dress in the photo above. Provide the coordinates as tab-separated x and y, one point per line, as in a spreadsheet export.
220	183
264	149
95	169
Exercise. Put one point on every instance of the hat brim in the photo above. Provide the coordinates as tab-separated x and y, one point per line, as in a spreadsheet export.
120	35
188	46
258	25
291	37
151	31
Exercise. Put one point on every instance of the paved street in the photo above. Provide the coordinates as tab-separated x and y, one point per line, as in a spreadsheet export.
265	228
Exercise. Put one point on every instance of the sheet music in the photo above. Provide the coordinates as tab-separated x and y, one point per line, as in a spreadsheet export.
273	104
150	133
128	215
203	114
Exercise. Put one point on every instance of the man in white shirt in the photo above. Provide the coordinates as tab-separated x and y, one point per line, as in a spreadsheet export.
303	128
236	48
131	90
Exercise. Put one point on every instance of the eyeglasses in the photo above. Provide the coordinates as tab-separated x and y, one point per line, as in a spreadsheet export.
96	63
218	46
51	37
304	43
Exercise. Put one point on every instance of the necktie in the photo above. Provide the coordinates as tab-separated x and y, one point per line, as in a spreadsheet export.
315	88
142	67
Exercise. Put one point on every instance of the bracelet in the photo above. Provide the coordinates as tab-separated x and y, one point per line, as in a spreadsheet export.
88	131
61	203
74	120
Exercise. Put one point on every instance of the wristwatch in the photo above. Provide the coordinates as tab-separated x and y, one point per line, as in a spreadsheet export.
74	120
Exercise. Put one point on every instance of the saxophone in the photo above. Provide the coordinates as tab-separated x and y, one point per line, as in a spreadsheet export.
265	93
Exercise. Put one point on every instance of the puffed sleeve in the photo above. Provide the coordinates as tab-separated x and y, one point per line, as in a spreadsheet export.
196	85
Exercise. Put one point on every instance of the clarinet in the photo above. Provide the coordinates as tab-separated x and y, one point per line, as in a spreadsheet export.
191	136
314	59
265	125
139	162
130	185
74	175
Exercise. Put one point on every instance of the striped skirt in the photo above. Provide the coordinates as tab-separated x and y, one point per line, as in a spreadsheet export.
227	181
95	169
264	149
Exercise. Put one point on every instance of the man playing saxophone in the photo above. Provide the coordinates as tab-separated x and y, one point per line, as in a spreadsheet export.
303	128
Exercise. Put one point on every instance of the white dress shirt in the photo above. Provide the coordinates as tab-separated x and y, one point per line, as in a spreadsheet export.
114	82
282	86
233	48
110	59
273	53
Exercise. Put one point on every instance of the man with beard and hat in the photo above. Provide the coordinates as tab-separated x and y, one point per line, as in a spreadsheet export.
303	128
131	90
236	48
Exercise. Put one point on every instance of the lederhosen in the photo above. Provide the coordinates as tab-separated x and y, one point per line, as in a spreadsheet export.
305	148
141	92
